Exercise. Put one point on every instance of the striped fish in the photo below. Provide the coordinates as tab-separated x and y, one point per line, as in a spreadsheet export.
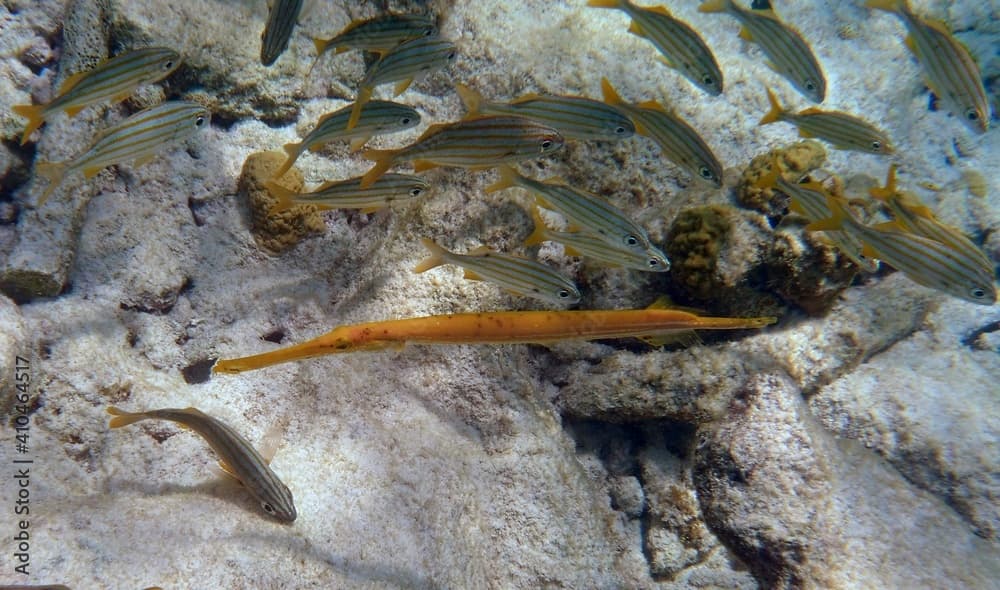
348	194
379	34
377	117
682	48
515	274
137	138
113	79
926	262
278	30
588	212
789	54
478	143
680	143
844	131
810	201
237	457
574	117
909	214
951	72
408	61
595	247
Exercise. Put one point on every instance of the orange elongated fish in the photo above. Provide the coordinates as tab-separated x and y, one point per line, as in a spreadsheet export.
498	327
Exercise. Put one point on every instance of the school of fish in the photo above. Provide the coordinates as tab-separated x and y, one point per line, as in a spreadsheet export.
499	134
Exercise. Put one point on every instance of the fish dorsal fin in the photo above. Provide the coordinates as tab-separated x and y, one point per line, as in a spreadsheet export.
435	128
813	111
609	93
527	98
472	276
272	441
652	105
422	165
75	110
658	9
71	81
745	34
479	251
636	29
571	251
889	226
401	86
884	193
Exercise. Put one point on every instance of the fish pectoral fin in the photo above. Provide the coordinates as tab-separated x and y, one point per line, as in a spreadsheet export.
471	276
402	85
229	471
804	133
745	34
70	82
359	142
271	442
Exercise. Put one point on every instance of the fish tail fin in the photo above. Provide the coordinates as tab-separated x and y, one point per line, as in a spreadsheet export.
884	193
604	3
715	6
540	233
776	112
34	113
507	179
54	173
384	159
471	99
123	418
434	259
610	94
888	5
285	197
364	95
293	150
836	220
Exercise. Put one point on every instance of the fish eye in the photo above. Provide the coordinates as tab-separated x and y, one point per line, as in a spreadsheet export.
704	172
168	64
810	85
631	240
876	145
654	263
972	115
199	121
429	32
978	292
708	80
619	130
451	55
415	191
546	144
405	120
267	508
563	294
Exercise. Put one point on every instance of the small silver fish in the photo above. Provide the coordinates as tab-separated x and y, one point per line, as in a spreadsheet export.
113	79
137	138
377	117
842	130
951	72
518	275
408	61
280	23
477	143
574	117
348	194
682	48
237	456
790	55
597	248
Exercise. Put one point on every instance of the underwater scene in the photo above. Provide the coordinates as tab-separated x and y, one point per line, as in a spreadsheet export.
462	294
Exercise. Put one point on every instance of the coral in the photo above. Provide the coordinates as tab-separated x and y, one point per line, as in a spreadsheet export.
797	160
808	271
283	230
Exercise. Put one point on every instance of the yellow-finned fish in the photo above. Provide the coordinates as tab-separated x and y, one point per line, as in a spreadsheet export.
499	327
574	117
790	55
909	214
137	138
515	274
348	194
377	117
925	261
113	79
682	48
408	61
844	131
595	247
237	457
477	143
378	34
950	70
678	141
278	30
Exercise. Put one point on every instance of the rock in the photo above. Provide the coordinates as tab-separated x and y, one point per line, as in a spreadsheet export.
13	344
280	231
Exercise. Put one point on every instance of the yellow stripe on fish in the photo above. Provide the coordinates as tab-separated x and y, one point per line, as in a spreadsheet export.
844	131
678	141
515	274
281	21
378	34
377	117
950	70
586	211
500	327
595	247
113	79
574	117
926	262
477	143
682	48
137	138
348	194
790	55
909	214
236	455
408	61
